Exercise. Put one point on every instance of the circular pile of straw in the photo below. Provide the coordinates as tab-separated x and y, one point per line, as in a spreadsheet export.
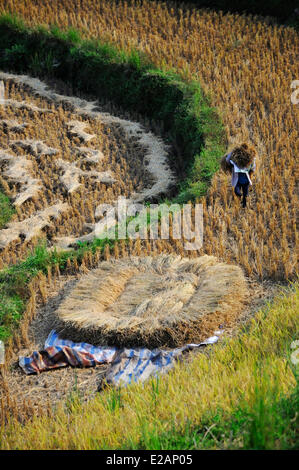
152	301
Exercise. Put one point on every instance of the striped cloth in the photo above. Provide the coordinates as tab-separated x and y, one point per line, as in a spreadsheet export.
62	352
127	365
137	365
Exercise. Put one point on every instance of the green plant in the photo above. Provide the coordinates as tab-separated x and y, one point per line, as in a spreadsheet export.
6	209
14	55
114	400
11	309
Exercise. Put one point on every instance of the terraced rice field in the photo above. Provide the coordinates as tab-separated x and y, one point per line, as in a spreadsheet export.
64	154
62	158
247	66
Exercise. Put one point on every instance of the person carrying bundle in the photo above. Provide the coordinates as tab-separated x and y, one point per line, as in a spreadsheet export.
241	164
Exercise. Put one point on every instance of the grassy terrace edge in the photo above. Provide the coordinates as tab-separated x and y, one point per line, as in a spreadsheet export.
132	82
6	209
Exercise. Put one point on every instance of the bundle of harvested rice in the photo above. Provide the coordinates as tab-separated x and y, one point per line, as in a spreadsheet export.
152	301
225	166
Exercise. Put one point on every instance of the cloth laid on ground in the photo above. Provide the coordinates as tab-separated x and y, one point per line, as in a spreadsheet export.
137	365
127	364
59	352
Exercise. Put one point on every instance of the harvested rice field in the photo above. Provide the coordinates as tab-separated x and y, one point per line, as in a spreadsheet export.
38	394
52	168
136	341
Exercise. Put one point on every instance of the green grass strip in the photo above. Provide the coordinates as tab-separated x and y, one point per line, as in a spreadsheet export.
6	209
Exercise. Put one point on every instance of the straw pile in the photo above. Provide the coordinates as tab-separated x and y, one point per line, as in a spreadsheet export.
225	166
152	301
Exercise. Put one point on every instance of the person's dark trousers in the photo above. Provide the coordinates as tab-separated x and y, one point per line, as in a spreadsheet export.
242	186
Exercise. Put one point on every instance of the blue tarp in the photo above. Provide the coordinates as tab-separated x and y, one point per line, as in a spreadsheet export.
127	365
